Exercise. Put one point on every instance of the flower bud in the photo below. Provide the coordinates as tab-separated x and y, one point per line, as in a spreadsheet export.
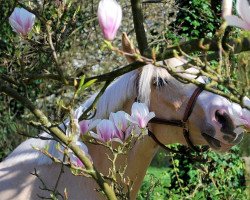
109	17
21	21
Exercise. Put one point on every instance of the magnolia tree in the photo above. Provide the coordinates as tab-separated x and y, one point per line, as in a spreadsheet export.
43	29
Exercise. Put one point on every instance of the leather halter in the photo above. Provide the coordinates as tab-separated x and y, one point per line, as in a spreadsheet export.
180	123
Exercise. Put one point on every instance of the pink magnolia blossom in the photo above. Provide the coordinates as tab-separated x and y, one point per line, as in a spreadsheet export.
120	120
140	114
243	20
106	131
109	17
22	21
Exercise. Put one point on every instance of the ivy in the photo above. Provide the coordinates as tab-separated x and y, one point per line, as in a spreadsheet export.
198	16
220	178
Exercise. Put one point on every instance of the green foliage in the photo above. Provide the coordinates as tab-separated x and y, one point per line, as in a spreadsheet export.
6	33
197	18
220	178
8	137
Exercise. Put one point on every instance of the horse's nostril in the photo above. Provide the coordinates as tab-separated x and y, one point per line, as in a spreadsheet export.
227	125
221	117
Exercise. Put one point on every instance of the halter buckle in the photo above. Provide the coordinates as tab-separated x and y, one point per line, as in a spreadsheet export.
185	126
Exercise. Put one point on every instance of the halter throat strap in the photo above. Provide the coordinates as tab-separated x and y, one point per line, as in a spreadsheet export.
180	123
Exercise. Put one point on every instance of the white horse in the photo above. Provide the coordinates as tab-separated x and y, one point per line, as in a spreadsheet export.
210	123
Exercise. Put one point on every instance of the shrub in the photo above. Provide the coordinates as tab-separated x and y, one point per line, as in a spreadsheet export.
199	16
222	177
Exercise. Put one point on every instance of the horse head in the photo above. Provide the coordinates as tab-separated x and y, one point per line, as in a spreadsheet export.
213	120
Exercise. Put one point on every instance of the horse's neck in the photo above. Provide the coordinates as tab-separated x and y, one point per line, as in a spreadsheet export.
136	161
139	158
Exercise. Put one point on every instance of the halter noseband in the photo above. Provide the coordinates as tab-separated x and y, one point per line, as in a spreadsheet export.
180	123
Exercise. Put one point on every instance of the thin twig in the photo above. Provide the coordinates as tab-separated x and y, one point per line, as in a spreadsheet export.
54	53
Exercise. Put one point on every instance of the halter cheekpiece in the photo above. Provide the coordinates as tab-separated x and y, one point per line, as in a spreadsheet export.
180	123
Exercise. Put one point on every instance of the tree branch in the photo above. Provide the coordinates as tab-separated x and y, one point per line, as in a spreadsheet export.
138	25
238	45
101	78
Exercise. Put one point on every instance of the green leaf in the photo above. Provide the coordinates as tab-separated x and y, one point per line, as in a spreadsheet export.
86	85
82	81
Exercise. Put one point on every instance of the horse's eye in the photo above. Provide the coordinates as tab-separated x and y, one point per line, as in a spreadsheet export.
159	82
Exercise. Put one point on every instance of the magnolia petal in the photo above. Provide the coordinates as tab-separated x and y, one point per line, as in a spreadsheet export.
16	27
133	120
120	120
75	160
106	130
117	140
140	109
147	118
84	126
243	9
236	21
140	114
246	117
79	162
150	116
94	123
142	123
128	132
94	135
246	101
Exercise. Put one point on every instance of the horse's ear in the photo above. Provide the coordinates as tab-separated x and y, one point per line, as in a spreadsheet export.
128	47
